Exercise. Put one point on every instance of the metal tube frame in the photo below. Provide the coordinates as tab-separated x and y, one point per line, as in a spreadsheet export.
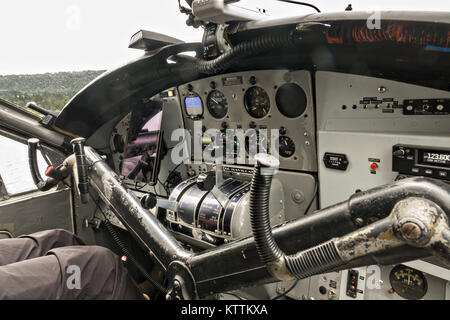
237	264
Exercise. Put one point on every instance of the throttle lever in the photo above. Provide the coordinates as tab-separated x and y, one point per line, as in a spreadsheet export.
82	168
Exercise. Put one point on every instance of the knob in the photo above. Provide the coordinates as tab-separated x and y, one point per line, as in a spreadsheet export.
119	144
252	125
399	153
148	201
283	131
206	181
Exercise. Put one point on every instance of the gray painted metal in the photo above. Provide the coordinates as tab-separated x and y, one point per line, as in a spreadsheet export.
37	211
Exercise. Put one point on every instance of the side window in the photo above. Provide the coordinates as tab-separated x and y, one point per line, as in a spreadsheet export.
14	168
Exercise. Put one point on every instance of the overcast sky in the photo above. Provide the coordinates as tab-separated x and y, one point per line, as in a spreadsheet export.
38	36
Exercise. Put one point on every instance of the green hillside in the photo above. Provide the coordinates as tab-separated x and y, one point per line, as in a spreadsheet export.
49	90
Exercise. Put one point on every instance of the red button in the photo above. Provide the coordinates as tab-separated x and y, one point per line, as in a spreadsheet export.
373	166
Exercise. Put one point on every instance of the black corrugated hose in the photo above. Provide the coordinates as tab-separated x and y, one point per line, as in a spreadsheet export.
268	250
300	265
255	46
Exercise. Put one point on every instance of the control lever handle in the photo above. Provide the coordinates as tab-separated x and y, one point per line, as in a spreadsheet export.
82	168
42	185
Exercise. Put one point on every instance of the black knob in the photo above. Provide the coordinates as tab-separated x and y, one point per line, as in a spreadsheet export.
148	201
190	87
206	181
283	131
119	144
252	125
225	126
399	153
252	80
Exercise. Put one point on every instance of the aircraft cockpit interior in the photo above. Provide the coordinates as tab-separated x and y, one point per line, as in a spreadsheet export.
297	159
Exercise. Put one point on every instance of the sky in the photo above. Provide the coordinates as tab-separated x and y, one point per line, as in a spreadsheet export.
38	36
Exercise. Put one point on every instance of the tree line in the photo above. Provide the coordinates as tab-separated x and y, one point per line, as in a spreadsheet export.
49	90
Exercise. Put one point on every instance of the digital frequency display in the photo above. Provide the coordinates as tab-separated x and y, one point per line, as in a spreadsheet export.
436	158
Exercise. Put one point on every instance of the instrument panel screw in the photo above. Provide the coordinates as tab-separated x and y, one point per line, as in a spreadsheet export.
382	89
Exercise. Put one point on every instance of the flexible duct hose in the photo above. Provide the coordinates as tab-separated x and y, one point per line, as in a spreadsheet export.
255	46
267	249
316	260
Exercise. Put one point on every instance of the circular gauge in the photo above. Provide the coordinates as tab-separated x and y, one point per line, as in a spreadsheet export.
256	143
257	102
193	105
217	104
291	100
286	147
408	283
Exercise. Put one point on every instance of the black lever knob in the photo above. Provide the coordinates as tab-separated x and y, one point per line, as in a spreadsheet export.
149	201
206	181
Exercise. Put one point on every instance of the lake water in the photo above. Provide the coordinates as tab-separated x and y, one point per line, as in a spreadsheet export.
14	168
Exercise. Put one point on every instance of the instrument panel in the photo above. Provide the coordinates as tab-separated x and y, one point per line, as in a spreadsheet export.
263	100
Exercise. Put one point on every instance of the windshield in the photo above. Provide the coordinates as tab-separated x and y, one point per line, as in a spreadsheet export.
53	36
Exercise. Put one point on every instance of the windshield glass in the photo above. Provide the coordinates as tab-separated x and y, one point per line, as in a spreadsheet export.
52	36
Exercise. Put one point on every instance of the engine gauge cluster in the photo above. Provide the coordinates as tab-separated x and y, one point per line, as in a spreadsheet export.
265	105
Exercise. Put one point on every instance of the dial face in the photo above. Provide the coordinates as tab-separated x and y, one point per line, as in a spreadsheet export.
257	102
193	105
217	104
286	147
408	283
291	100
